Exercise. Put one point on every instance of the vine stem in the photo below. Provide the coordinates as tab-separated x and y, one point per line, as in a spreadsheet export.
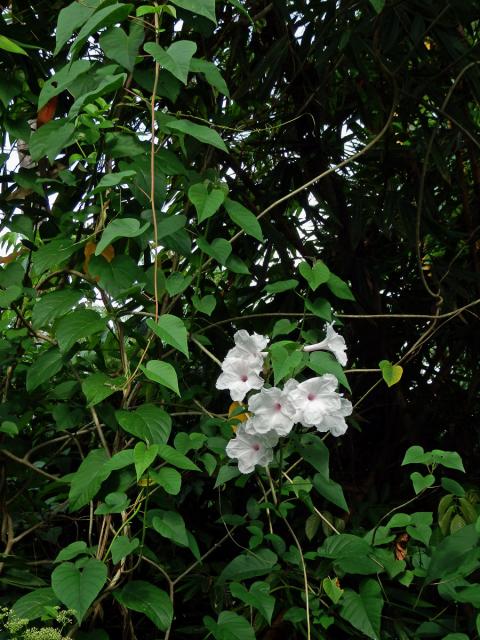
152	171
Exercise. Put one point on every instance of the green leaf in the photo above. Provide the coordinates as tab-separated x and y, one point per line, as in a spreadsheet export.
280	286
315	452
220	249
122	48
199	132
284	363
205	305
175	59
77	325
52	254
350	554
60	81
119	276
9	295
225	473
33	605
378	5
316	275
451	552
73	550
171	330
50	139
70	19
421	482
163	373
76	588
172	456
148	422
322	362
87	480
146	598
449	459
99	386
391	373
206	202
170	225
211	73
122	547
10	428
331	588
9	45
170	525
44	368
53	305
177	283
204	8
363	610
115	502
143	457
249	565
230	626
102	18
258	597
283	327
169	479
452	486
244	219
120	228
112	180
102	81
339	288
320	308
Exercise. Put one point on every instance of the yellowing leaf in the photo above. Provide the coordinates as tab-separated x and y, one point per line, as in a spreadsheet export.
391	373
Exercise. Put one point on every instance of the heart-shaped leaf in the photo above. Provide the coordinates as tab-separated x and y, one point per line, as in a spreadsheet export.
78	588
391	373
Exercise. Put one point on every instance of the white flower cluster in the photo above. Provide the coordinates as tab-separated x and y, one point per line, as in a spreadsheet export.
274	411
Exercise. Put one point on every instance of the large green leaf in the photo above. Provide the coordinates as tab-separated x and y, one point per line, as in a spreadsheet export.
119	276
363	610
249	565
123	48
163	373
44	368
175	59
316	453
53	305
171	525
104	17
211	73
258	597
230	626
322	362
204	8
146	598
350	554
244	218
50	139
120	228
206	202
198	131
34	604
76	325
172	331
78	588
175	458
61	80
148	422
71	18
87	480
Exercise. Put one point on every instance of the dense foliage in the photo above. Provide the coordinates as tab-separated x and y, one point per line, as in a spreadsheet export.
172	173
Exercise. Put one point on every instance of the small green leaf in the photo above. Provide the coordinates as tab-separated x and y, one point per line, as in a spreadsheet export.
104	17
225	473
87	480
170	525
176	59
73	550
283	327
320	308
44	368
258	597
110	180
331	588
205	305
244	219
34	605
76	588
99	386
249	565
9	45
115	502
10	428
220	249
316	275
339	288
322	362
169	479
284	363
177	283
199	132
163	373
122	547
122	48
280	286
120	228
53	305
211	73
173	457
391	373
454	487
206	202
146	598
143	457
421	482
204	8
171	330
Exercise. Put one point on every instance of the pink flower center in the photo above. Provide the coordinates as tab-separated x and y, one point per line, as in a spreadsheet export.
256	447
311	396
244	378
277	406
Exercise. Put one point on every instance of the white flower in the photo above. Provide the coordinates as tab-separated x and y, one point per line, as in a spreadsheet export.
333	342
239	376
335	422
315	398
250	344
273	410
251	449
